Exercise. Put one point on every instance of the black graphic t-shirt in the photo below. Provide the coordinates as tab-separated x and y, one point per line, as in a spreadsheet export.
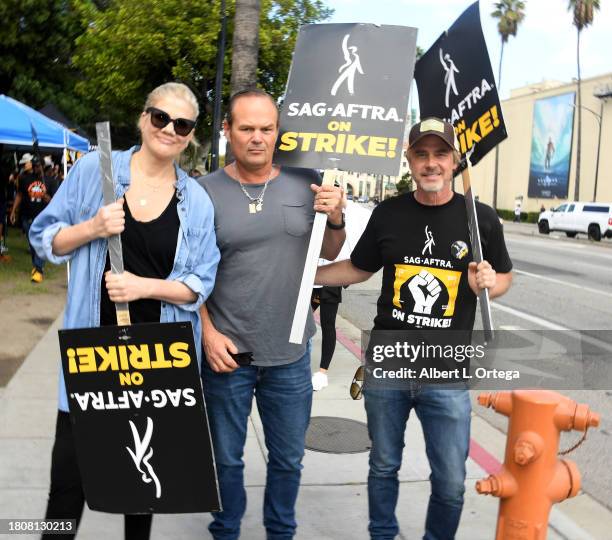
425	252
33	193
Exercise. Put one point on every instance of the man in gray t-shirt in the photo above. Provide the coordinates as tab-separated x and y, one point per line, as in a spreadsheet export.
263	219
262	260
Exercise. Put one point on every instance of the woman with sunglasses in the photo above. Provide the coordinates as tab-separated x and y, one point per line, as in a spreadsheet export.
159	207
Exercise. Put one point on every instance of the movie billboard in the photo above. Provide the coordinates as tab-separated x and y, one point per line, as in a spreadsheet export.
551	146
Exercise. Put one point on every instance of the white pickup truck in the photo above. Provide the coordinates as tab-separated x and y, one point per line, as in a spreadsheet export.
593	219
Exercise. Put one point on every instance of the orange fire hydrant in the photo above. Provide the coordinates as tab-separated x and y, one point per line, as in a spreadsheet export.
532	478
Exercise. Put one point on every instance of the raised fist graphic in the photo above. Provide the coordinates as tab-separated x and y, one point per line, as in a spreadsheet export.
425	290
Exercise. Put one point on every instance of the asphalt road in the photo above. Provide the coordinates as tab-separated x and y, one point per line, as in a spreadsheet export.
559	284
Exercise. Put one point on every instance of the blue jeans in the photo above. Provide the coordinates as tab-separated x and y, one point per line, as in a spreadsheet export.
445	417
37	262
284	398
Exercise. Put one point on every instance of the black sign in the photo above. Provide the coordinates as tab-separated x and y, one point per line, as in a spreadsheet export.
139	418
347	98
455	82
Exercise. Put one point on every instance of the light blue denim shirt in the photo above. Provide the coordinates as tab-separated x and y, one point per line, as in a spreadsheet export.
79	198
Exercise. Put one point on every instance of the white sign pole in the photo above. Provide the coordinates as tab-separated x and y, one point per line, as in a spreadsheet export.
310	268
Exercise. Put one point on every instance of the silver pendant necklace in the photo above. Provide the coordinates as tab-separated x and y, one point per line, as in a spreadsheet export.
143	200
255	203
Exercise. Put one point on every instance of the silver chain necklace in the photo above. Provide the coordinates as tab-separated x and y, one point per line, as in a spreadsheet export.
144	200
256	203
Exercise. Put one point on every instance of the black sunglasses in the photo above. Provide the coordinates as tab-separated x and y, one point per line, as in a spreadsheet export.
160	119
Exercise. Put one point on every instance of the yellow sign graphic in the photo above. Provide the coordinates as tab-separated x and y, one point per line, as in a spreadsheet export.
341	143
470	135
448	278
126	357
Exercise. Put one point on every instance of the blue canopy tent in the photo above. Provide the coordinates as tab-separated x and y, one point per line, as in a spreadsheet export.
21	125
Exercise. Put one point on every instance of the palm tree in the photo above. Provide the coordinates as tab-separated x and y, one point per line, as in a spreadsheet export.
510	14
583	17
245	45
245	51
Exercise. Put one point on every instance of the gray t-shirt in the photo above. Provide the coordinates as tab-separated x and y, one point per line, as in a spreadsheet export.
262	261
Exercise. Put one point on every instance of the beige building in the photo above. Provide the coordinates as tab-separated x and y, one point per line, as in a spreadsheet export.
515	151
370	185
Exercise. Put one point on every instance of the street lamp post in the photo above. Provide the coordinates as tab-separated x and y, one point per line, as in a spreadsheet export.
602	96
598	117
600	121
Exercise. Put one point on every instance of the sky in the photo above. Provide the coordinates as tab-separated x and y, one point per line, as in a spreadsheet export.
544	48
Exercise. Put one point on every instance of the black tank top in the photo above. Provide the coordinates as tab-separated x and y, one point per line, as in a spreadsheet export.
148	251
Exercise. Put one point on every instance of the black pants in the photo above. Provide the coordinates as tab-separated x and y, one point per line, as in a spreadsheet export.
66	497
327	317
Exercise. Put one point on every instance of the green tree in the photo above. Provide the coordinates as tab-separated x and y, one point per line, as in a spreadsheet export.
584	11
35	51
132	46
280	23
510	14
405	184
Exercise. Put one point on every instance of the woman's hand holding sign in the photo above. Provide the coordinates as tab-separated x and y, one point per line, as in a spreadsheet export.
109	220
126	287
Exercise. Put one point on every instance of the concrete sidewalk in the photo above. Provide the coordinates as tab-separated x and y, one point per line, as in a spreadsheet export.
333	498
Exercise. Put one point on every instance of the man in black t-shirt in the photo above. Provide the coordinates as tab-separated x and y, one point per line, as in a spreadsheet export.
422	242
30	200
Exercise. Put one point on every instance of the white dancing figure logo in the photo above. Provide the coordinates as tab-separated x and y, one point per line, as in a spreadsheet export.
449	77
429	241
138	455
351	65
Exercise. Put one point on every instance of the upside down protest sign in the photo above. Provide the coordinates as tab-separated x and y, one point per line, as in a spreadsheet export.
139	419
347	98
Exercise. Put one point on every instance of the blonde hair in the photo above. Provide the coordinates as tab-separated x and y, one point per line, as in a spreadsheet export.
173	89
176	90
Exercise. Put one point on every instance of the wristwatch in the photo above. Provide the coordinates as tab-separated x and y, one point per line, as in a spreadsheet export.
335	227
